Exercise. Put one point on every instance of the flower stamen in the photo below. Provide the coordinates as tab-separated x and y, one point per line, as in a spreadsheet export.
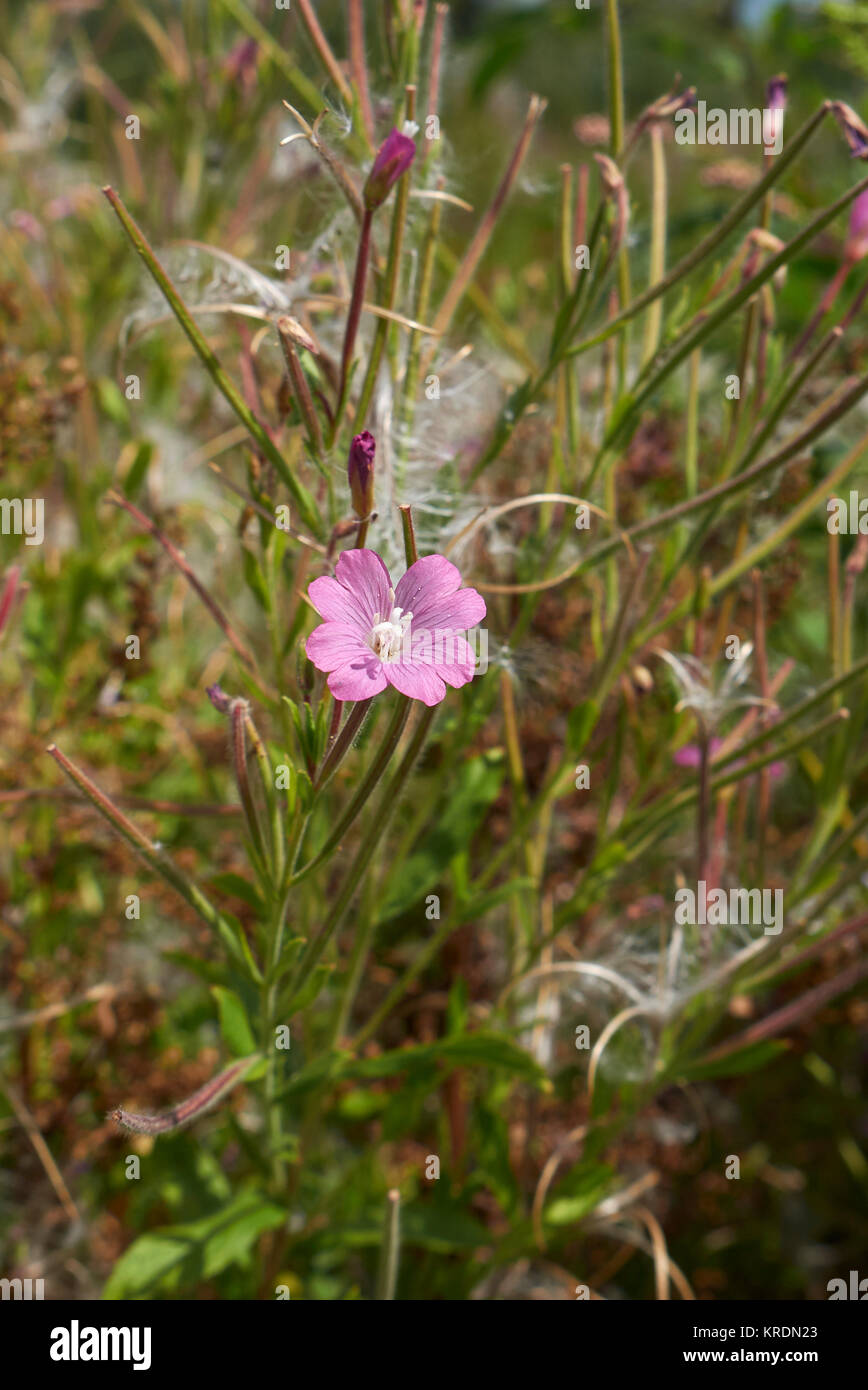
386	637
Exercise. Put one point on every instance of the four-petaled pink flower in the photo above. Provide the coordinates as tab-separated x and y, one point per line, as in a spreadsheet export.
409	636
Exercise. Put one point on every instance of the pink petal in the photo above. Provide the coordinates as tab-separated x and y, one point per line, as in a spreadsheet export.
336	644
430	579
430	591
335	603
363	573
359	591
359	679
453	660
419	682
460	611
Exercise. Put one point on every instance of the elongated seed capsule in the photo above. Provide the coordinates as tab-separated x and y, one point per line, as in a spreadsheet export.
190	1109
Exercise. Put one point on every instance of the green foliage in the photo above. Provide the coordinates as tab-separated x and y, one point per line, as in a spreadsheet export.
175	1257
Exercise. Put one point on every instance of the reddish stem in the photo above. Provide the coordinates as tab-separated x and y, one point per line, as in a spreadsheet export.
363	256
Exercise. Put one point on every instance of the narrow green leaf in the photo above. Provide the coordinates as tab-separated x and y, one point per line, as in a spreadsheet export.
234	1024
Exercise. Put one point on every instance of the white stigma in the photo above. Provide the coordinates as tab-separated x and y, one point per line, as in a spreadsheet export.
386	637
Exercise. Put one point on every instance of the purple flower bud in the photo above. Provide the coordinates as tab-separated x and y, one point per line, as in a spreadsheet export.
669	104
241	63
855	129
776	92
360	473
7	594
393	159
219	699
857	234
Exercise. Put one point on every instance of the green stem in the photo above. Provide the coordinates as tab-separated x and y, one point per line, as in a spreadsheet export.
714	239
393	269
377	829
616	80
300	388
154	857
570	317
657	259
391	1247
420	312
616	145
363	255
368	784
567	275
272	801
214	368
780	752
342	744
237	720
794	446
411	554
705	324
691	429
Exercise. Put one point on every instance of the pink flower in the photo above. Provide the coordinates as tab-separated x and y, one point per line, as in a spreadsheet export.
409	636
393	159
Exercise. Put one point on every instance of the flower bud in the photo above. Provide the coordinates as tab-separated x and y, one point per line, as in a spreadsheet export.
240	64
773	115
615	190
393	159
776	92
856	247
669	104
360	473
854	128
219	699
7	594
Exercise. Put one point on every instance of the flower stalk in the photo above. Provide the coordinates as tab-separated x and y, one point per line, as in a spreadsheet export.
391	1248
395	166
215	369
153	856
